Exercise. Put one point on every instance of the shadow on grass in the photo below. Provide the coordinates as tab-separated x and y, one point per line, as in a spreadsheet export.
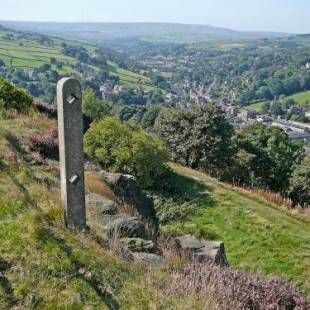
177	186
8	291
44	235
178	197
17	183
15	145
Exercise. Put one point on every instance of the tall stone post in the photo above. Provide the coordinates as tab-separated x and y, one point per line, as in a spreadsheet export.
70	128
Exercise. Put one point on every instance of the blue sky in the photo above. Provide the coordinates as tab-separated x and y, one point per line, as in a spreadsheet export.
275	15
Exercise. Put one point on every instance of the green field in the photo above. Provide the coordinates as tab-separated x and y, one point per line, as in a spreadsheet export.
22	53
302	99
259	236
257	106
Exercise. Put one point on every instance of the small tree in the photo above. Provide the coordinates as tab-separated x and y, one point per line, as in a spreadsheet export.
94	107
300	183
123	147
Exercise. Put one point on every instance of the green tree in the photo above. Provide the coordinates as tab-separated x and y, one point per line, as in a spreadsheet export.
94	107
124	147
266	157
300	183
199	138
15	98
150	116
264	93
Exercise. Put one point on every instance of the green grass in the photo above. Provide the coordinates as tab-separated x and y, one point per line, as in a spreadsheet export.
259	236
29	54
45	266
303	98
130	78
257	106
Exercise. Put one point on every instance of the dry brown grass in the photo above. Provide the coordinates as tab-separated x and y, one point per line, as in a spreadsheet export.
277	199
95	184
267	195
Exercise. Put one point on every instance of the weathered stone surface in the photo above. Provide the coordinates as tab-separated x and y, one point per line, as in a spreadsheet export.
129	194
202	250
148	259
122	225
189	243
99	205
101	218
89	166
212	250
70	128
138	244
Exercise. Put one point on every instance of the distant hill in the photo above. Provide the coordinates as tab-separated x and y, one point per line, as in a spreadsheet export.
158	32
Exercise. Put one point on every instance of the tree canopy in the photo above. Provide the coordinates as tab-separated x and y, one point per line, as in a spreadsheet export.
266	157
300	183
93	106
199	138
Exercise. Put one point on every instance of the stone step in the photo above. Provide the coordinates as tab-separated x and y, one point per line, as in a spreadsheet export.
100	205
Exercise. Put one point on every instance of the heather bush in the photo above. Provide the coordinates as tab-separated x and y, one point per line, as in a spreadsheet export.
235	289
46	145
48	110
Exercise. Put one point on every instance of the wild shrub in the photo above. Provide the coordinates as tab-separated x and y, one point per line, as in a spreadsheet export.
15	98
125	148
46	145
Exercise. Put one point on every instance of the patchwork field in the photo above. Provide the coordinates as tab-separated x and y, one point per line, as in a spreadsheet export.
24	53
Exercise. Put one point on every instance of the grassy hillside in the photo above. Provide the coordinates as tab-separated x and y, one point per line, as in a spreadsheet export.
18	50
45	266
259	236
